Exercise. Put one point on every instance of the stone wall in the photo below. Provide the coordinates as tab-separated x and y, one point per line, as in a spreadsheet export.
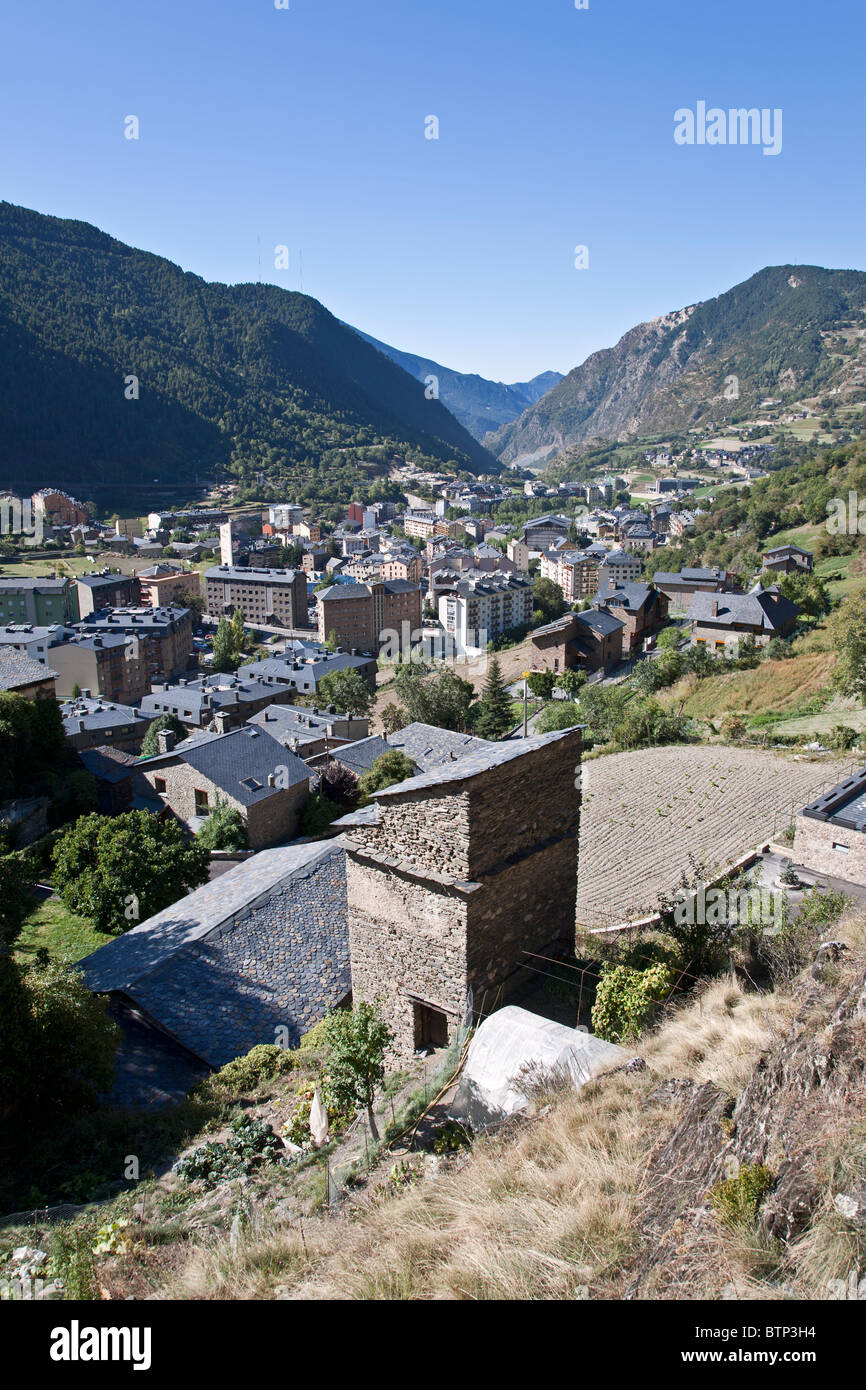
813	848
458	881
269	822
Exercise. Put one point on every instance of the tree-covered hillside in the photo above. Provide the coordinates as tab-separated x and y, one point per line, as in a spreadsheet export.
244	377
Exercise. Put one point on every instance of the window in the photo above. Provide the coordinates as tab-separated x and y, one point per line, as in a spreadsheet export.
202	805
843	849
159	783
431	1027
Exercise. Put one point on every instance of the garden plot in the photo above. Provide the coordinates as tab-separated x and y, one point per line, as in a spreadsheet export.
645	813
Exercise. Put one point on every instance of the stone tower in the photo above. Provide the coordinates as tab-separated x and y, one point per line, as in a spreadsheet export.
454	874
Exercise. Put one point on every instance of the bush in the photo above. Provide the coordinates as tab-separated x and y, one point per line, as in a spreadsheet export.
388	769
626	1000
561	714
250	1144
245	1074
733	726
842	736
224	829
317	815
736	1200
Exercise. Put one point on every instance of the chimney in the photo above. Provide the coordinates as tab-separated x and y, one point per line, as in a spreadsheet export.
272	781
714	608
166	739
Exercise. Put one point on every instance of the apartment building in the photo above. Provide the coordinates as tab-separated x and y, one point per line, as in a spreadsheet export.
162	585
575	571
104	589
42	600
59	508
418	523
360	613
267	596
480	608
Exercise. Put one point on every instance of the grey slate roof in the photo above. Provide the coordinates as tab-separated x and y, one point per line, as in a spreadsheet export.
360	756
599	621
473	764
265	945
239	762
18	670
768	610
430	747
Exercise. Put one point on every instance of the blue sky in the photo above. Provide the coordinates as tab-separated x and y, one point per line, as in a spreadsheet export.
305	127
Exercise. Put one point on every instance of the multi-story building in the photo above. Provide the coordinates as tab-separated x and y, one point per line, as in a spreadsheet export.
542	531
619	567
358	614
575	571
41	601
166	584
266	596
418	523
95	723
59	508
285	516
478	609
402	565
219	701
104	589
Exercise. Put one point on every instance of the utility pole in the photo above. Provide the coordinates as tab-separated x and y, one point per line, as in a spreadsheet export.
525	679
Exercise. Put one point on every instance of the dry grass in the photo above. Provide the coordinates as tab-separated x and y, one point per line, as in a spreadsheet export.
774	685
548	1209
719	1035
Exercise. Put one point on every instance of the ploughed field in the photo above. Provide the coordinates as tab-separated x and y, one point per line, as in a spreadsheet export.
645	813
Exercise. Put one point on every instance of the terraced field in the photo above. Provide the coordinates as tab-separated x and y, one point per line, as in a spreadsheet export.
644	813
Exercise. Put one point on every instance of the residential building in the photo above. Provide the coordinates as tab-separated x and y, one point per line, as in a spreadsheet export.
359	614
59	508
590	641
481	608
42	601
262	948
21	675
830	833
575	571
305	671
619	567
310	732
788	559
403	565
720	621
104	589
165	584
285	516
96	723
220	701
245	769
117	654
681	522
518	553
418	523
641	608
270	597
682	586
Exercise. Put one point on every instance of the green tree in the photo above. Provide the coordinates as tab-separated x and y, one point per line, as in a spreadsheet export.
393	718
357	1040
150	742
388	769
16	904
561	714
120	870
493	717
347	691
847	631
224	829
225	655
239	636
548	600
541	683
570	682
442	698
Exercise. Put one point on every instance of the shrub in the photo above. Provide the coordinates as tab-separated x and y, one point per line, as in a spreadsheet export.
72	1260
245	1074
733	727
562	714
387	770
842	736
626	1000
736	1200
250	1144
224	829
317	815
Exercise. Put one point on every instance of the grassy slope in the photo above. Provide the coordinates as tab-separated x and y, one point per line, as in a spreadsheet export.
774	685
65	936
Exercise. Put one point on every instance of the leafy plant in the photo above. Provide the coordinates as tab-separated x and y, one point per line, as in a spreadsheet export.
250	1144
736	1200
627	999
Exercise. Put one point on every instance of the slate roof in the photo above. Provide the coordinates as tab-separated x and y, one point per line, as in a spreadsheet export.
844	804
264	946
473	764
109	764
430	747
768	610
630	596
360	756
17	670
599	621
238	762
100	714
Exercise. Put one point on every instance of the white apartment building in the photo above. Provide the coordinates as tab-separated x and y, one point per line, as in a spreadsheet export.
481	608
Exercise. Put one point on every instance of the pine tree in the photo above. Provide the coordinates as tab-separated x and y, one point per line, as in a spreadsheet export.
494	708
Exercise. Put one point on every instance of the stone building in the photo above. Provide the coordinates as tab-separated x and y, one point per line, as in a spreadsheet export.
641	608
830	833
102	589
454	875
245	769
590	641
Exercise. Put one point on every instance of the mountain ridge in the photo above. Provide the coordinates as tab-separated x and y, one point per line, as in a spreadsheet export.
788	332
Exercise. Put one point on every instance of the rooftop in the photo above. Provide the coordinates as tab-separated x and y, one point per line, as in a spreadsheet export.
18	670
239	762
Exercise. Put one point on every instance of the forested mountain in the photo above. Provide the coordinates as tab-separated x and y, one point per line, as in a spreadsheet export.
788	332
480	405
246	376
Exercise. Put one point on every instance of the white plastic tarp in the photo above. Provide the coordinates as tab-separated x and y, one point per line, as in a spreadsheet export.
512	1039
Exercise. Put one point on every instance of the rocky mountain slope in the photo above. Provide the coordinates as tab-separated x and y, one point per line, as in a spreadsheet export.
788	333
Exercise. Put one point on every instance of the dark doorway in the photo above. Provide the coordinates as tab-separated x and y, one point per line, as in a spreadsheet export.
431	1027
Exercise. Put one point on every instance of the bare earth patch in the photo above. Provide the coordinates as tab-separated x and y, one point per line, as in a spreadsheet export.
645	812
